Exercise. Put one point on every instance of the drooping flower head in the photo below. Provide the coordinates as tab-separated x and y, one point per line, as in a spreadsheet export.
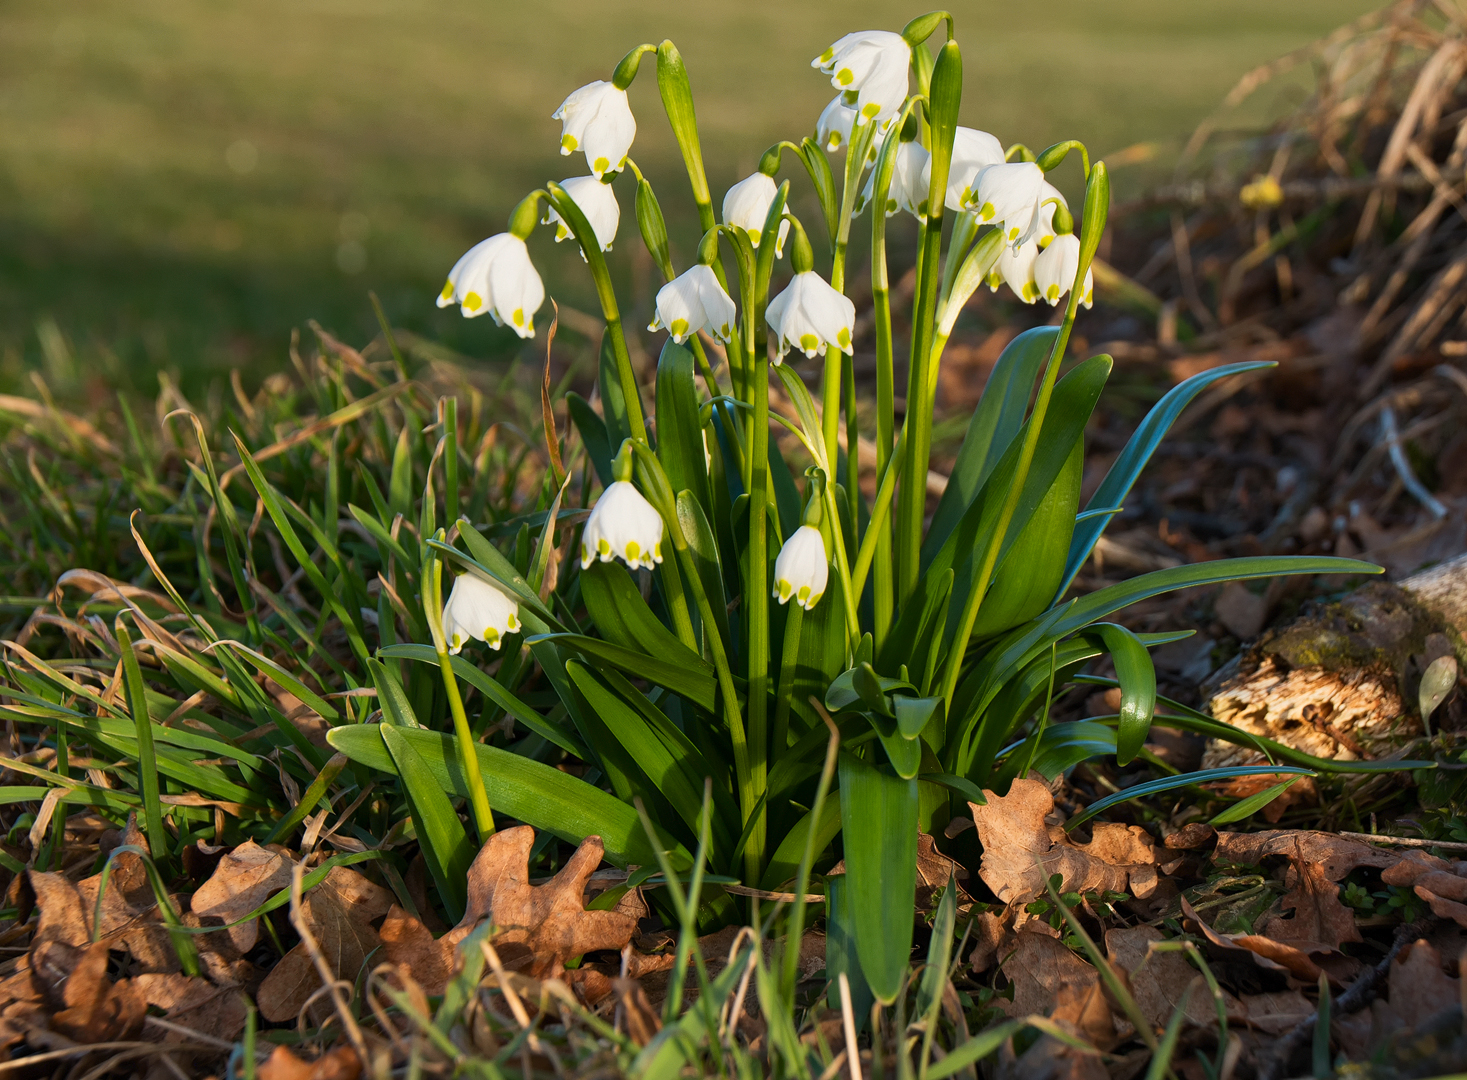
597	120
833	129
597	201
802	568
873	64
496	275
623	524
1055	269
910	180
809	314
1015	266
693	301
973	151
478	610
1009	194
746	206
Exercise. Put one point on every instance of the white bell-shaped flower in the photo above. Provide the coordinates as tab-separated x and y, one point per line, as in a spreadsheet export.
1044	230
1055	269
802	568
874	65
496	276
597	120
746	206
480	611
833	129
1010	194
909	182
597	201
693	301
622	525
973	151
811	316
1015	267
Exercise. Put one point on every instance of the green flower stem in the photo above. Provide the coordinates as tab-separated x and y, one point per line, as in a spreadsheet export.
853	444
788	661
677	605
659	492
450	456
843	568
830	392
877	533
756	588
463	736
1097	200
947	77
885	376
571	214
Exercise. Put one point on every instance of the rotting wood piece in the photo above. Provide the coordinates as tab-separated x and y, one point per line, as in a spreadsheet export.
1340	681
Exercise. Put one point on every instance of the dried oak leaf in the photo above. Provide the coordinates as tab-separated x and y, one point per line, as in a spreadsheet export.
242	881
195	1003
1021	852
1335	855
1319	917
1417	989
341	1063
90	1008
1160	980
1272	1013
549	920
1043	971
407	942
339	912
1265	951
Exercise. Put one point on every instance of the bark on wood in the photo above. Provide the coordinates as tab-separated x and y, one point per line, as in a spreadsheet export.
1341	680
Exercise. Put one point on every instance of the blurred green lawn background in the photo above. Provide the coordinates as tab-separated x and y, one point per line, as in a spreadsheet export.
181	182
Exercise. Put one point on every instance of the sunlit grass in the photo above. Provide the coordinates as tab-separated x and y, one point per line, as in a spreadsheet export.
184	182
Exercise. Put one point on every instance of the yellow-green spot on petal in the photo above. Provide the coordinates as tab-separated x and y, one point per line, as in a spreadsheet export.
491	637
845	77
922	208
513	622
809	342
634	551
891	206
1052	293
843	339
679	327
827	56
804	593
870	109
834	142
657	551
600	165
1031	291
518	318
473	301
458	641
447	292
785	588
986	212
603	546
567	143
1013	234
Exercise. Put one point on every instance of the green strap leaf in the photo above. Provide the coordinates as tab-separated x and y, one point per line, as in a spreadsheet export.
441	836
1137	677
1171	783
519	787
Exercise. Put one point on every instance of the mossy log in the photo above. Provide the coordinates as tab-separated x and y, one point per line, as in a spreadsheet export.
1341	680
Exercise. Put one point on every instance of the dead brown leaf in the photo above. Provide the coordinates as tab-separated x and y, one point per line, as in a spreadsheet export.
549	920
195	1003
1265	952
341	1063
1039	967
408	942
91	1008
1159	980
1021	851
642	1022
1274	1013
1318	914
244	879
339	911
1335	855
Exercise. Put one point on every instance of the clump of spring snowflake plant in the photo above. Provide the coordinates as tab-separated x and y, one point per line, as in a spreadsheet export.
774	610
